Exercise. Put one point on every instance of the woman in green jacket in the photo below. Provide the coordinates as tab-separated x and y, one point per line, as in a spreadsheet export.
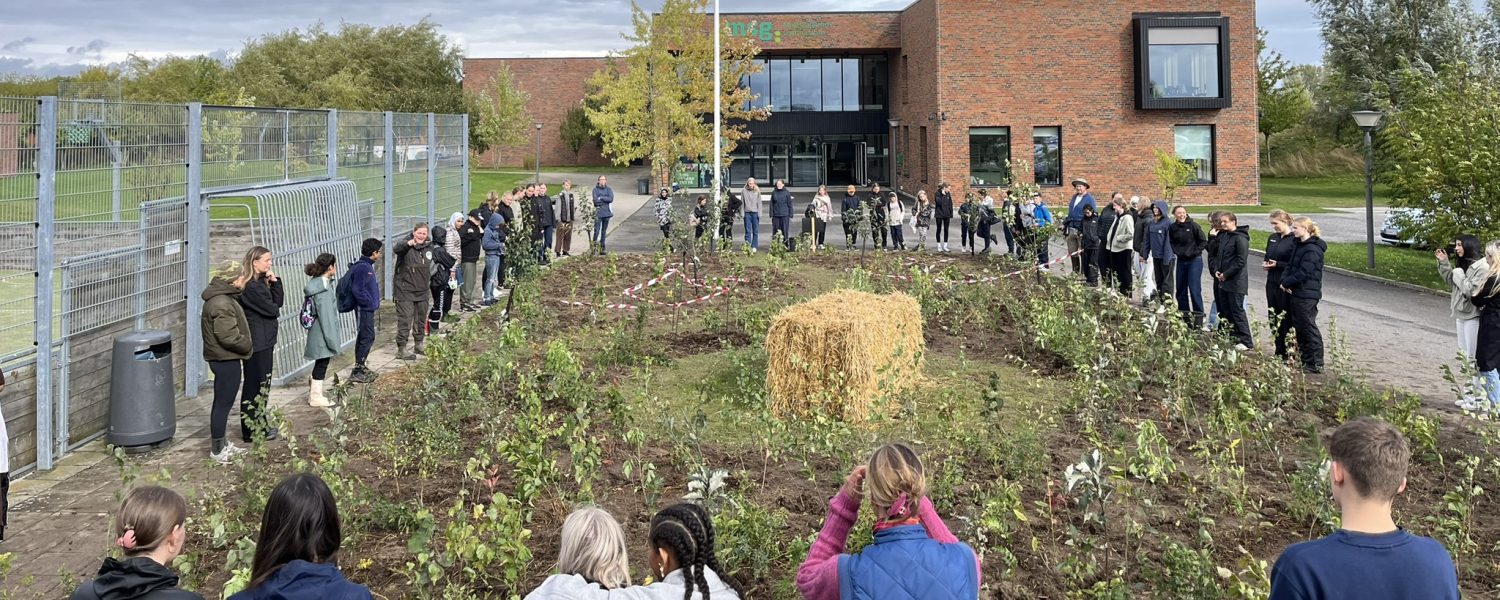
323	337
226	345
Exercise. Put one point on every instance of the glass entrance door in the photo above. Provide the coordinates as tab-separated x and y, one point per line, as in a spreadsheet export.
842	160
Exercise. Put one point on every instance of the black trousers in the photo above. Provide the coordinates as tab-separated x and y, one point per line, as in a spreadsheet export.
442	301
365	339
1232	315
878	232
965	235
942	230
1090	269
1302	313
4	503
851	234
226	387
783	226
820	230
1124	274
1166	274
253	397
320	368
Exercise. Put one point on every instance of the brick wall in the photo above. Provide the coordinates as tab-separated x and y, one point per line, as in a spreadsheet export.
555	86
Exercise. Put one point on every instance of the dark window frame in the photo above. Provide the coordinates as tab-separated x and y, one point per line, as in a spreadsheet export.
1060	167
922	141
1213	152
1143	24
1009	150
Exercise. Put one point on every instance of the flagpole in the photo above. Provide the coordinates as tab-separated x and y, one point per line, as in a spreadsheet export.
718	139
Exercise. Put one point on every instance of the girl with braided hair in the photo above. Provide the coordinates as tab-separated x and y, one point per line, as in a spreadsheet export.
151	535
681	559
913	555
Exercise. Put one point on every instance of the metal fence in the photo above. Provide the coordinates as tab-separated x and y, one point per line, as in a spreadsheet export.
111	213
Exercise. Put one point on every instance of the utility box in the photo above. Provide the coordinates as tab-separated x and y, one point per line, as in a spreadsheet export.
643	186
142	395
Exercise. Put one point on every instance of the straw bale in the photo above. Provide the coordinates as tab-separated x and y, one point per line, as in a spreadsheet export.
834	352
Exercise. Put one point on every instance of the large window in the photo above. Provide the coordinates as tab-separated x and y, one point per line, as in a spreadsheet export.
781	86
1046	147
989	149
760	86
873	83
1195	146
922	139
833	84
850	89
811	84
807	84
1182	62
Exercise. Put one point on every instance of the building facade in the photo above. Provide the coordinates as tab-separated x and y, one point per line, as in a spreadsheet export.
956	90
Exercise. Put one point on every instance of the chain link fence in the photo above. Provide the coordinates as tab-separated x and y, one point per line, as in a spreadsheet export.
112	212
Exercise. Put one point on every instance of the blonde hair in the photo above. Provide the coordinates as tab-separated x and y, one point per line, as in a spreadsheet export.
491	196
1492	256
594	547
247	269
1281	216
895	470
1310	225
147	517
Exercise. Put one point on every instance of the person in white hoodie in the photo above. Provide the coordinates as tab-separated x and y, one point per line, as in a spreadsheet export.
682	560
895	213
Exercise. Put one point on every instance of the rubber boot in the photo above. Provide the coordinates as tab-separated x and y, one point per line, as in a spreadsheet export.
402	354
418	349
315	395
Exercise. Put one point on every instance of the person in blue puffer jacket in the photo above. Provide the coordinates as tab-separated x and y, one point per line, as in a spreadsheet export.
493	244
1157	247
913	556
296	554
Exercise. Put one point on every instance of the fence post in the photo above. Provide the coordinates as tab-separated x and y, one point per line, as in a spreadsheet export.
463	205
46	206
197	248
390	201
432	150
286	145
333	143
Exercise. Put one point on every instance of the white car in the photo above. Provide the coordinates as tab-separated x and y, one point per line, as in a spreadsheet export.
1391	231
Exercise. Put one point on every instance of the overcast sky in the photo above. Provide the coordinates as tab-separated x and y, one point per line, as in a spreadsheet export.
51	37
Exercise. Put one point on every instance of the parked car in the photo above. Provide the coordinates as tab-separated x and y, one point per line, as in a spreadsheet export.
1391	231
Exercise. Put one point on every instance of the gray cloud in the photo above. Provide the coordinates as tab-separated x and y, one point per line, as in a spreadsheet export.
94	48
15	45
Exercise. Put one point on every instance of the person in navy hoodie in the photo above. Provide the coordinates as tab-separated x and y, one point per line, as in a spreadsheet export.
913	555
295	557
603	197
365	286
1369	557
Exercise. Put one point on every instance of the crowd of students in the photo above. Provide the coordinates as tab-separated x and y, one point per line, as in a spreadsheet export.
912	552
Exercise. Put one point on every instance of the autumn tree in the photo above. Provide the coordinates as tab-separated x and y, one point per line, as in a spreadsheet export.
655	99
575	130
502	118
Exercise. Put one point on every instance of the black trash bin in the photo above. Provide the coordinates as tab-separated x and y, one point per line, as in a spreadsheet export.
643	186
142	390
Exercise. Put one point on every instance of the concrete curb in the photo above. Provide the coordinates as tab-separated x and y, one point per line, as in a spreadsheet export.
1367	277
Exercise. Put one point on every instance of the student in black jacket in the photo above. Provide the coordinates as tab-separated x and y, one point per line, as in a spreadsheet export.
151	532
1088	235
442	291
849	214
1279	248
544	219
1234	279
1188	242
942	212
876	206
262	300
470	234
1303	284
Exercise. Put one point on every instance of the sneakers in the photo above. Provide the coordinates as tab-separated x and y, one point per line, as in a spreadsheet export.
1471	404
1241	347
226	453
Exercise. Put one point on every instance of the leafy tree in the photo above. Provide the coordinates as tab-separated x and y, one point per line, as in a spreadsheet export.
502	118
1284	103
655	100
1171	172
575	130
176	79
1443	149
28	85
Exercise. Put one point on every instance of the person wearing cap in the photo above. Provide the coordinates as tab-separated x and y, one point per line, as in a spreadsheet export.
1073	224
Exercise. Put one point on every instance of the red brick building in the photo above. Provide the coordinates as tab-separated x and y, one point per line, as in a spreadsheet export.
949	90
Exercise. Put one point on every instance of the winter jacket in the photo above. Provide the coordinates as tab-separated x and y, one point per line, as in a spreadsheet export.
567	207
324	338
1304	274
262	301
1106	225
442	262
661	207
1121	237
138	578
907	562
1158	239
1142	224
365	285
1464	283
942	205
509	215
413	271
543	213
671	587
1075	208
895	213
1042	214
1233	254
494	236
878	211
822	208
1487	300
1279	248
603	197
470	235
454	243
1187	238
751	200
302	580
781	203
226	332
1088	230
850	204
924	215
700	215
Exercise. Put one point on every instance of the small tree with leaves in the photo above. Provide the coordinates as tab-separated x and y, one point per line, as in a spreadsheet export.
575	130
1171	173
503	120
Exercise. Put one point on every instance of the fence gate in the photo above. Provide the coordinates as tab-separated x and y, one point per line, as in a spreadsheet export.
297	223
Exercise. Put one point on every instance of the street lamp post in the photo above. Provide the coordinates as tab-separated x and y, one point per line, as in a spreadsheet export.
538	136
1368	120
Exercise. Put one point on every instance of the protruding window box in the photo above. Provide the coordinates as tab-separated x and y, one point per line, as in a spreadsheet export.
1181	62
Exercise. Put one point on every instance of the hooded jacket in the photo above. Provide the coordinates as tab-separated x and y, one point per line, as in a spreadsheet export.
1233	253
1143	221
1464	283
671	587
849	206
1187	239
138	578
942	205
454	242
603	197
323	339
1088	230
1304	274
302	580
1279	248
1106	223
470	235
365	285
262	300
1487	300
1121	237
781	203
226	333
413	271
1158	243
494	236
442	262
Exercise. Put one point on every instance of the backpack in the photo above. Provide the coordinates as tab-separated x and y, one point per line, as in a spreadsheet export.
309	313
345	292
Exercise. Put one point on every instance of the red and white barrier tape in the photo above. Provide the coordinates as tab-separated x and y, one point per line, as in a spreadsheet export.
633	291
970	279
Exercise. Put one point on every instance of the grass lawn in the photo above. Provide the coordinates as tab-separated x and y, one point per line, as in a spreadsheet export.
1307	195
1406	265
482	182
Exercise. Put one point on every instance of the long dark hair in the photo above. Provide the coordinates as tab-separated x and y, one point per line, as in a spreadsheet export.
320	266
300	522
1473	250
687	532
